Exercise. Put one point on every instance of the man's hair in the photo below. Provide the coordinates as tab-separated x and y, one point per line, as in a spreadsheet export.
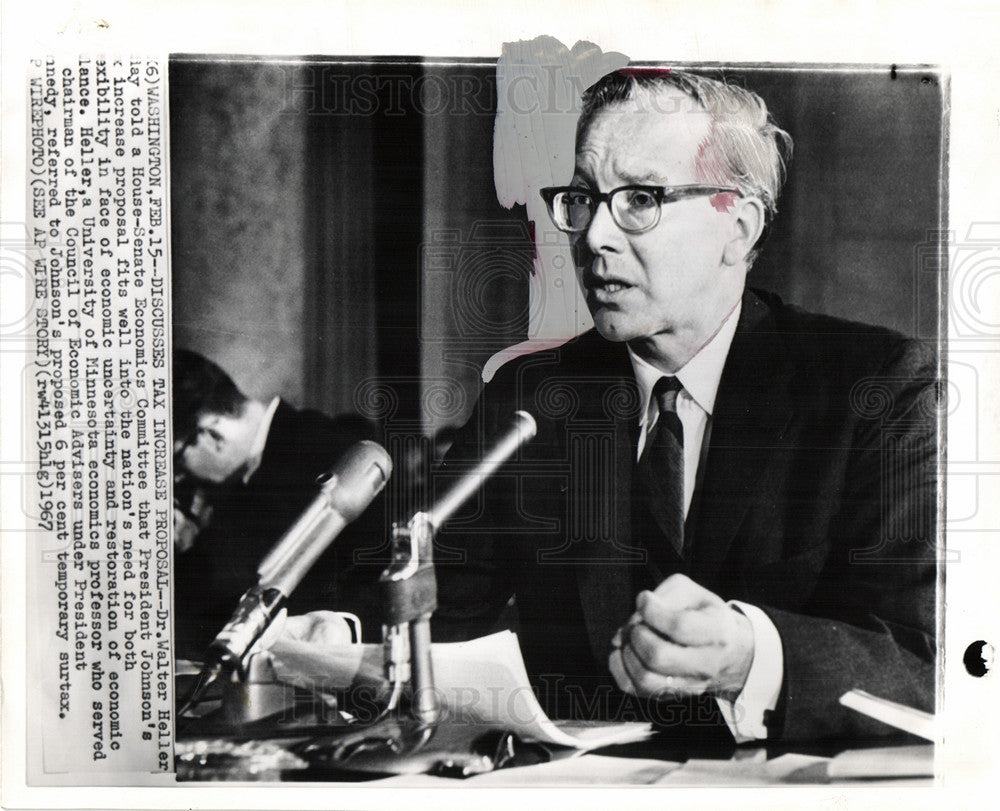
201	387
746	148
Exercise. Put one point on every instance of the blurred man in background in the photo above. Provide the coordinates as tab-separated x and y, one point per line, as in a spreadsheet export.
245	469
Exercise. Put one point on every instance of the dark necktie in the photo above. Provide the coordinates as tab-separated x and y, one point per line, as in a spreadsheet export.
661	467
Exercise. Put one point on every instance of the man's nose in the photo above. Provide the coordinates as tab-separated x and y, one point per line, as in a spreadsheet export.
603	234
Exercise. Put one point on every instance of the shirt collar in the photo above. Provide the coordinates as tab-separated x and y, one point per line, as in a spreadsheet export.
260	440
700	376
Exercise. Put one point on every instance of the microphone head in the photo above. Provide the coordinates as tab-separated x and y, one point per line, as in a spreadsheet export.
357	477
525	425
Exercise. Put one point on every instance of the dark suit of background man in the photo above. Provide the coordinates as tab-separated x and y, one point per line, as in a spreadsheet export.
247	470
806	564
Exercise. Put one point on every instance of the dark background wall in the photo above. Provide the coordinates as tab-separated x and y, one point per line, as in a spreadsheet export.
337	238
862	207
238	203
327	227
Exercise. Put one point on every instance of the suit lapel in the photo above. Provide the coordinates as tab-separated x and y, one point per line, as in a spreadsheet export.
606	577
752	410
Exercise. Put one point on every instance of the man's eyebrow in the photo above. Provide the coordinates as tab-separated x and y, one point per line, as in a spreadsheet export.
650	177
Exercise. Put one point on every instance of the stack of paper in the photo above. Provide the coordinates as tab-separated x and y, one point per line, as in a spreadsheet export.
908	719
478	682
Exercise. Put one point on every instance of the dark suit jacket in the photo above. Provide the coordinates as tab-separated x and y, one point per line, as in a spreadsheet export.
816	502
247	521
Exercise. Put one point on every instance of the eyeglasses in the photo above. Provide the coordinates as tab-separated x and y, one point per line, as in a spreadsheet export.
633	208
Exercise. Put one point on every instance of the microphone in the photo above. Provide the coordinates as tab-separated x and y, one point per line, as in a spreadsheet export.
519	429
345	491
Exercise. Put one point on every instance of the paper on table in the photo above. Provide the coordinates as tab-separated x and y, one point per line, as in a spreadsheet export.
594	770
889	761
328	668
789	768
482	681
916	722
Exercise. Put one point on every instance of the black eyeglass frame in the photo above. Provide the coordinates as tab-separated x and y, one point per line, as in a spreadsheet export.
661	194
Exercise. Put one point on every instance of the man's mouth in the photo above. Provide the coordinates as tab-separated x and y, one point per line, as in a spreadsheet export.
607	287
613	287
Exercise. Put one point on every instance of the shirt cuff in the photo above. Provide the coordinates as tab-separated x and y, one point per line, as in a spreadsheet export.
745	716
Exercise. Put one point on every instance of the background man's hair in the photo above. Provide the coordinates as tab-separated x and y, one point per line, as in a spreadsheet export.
746	148
201	387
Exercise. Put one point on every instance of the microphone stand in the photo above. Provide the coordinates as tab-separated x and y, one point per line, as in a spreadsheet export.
409	598
393	741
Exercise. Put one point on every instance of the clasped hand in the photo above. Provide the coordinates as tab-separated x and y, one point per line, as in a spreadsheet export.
682	640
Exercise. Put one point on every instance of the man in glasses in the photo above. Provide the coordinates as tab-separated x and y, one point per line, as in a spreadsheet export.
715	517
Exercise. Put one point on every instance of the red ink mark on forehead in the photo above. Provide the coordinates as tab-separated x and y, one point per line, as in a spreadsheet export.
723	202
707	164
643	73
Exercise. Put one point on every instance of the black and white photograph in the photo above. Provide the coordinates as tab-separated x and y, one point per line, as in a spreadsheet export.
338	245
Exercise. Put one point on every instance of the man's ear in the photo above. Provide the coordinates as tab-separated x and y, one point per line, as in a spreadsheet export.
748	223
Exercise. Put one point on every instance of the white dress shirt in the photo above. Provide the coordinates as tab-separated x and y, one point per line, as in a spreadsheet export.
700	378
